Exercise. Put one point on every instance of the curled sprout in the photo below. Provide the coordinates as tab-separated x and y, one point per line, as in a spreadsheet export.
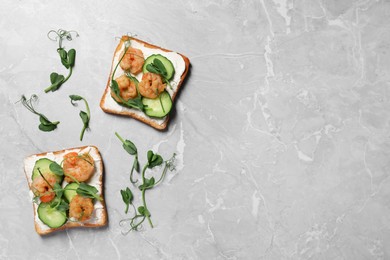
61	34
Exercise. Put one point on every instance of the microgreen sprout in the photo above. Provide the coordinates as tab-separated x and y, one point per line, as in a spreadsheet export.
142	213
45	124
85	116
67	57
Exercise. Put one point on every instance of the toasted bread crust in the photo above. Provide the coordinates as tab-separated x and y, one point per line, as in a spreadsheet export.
147	120
102	220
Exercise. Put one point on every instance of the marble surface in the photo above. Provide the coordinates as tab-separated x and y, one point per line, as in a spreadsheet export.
281	130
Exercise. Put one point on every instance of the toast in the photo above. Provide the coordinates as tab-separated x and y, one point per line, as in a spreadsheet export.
180	63
99	215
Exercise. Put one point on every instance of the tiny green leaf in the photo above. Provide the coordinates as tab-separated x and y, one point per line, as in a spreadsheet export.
56	169
130	147
85	118
56	81
143	211
44	121
127	197
154	159
75	98
47	128
88	191
58	190
64	57
71	57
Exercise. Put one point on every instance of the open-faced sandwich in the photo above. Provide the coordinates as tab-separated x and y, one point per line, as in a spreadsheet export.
67	189
144	81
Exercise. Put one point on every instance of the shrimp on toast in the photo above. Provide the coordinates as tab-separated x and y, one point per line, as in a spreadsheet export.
78	167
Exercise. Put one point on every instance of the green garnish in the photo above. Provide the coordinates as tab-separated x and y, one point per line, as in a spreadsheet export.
45	124
142	211
127	197
131	103
132	150
84	189
158	67
67	58
85	116
88	191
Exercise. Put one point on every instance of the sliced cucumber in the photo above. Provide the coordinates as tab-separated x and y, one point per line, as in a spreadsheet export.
158	107
43	166
51	216
70	191
167	64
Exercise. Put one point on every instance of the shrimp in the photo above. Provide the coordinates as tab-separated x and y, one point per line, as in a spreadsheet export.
127	89
80	167
80	208
151	85
43	187
133	60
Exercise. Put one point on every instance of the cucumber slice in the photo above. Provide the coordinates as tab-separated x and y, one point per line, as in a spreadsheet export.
43	165
50	216
158	107
70	191
167	64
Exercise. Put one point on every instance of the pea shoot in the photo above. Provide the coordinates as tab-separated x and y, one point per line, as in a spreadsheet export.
131	149
142	212
85	116
158	67
68	58
45	124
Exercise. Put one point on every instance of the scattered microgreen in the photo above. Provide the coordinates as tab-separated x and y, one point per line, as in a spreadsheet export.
85	116
127	197
68	58
130	148
148	183
45	124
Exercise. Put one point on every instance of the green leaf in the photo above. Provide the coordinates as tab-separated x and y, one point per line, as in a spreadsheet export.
47	128
143	211
136	164
87	191
75	98
130	147
154	159
127	197
63	206
58	190
85	118
64	57
63	54
71	57
152	69
148	184
160	67
44	121
56	81
56	169
115	88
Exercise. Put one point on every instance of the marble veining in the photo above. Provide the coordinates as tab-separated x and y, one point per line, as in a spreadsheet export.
281	130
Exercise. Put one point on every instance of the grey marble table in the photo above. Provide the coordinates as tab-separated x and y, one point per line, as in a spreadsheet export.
282	129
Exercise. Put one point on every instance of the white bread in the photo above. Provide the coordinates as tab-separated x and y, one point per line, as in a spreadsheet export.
99	216
108	104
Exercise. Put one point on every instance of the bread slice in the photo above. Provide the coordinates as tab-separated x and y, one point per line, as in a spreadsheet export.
180	62
99	216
